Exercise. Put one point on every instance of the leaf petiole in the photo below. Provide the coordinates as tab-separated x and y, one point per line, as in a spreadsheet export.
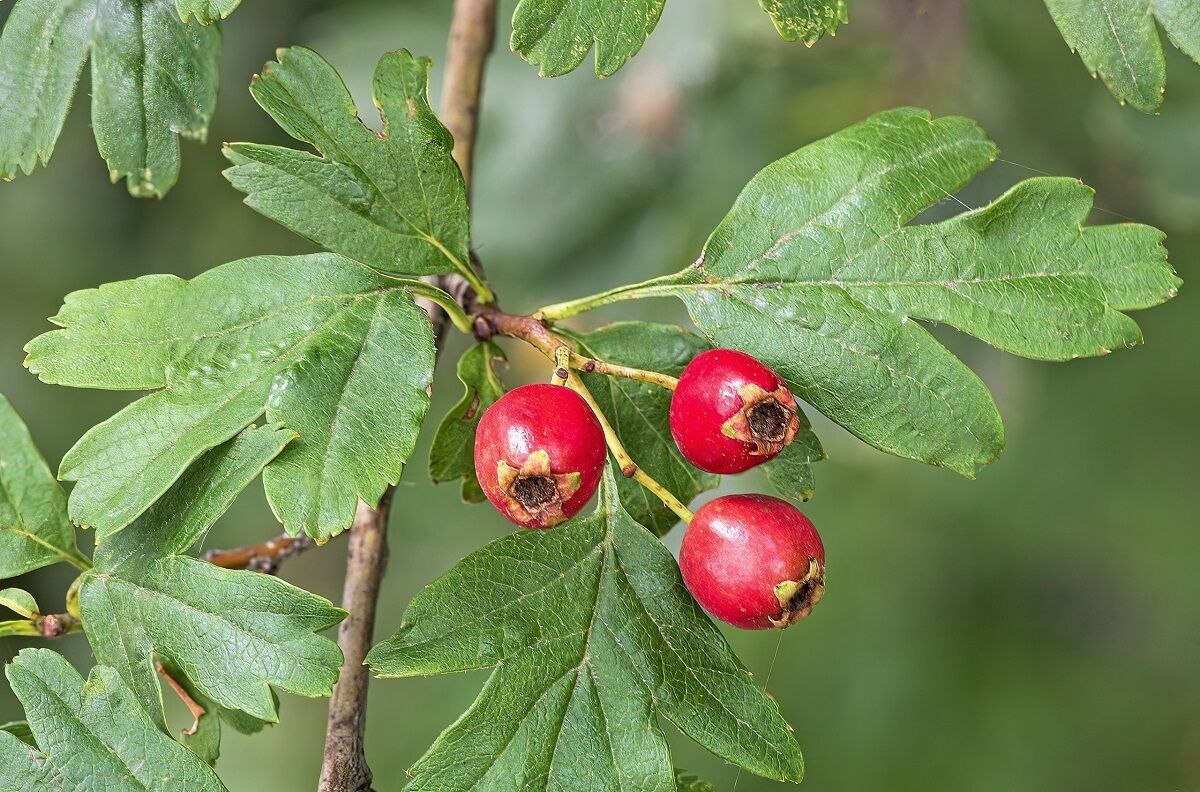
21	627
656	287
443	300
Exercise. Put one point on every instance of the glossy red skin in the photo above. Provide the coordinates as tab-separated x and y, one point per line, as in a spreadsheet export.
737	548
707	396
552	418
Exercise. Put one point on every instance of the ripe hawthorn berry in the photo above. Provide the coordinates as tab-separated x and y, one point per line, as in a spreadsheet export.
539	453
753	561
730	412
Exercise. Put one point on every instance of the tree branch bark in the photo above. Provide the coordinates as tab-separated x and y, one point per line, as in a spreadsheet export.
472	35
345	769
345	766
265	557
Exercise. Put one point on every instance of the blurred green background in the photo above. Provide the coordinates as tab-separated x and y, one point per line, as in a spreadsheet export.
1037	629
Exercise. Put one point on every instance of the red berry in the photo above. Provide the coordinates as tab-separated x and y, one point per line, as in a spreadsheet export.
730	412
539	452
753	561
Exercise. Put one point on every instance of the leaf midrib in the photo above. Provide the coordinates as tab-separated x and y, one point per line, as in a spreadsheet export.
421	234
683	662
270	370
861	183
22	527
73	715
734	295
234	627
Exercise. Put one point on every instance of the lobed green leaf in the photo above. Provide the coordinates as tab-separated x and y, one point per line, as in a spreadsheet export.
34	529
91	735
452	455
20	730
806	20
1118	41
686	782
19	601
815	272
154	79
395	201
227	634
556	35
590	631
205	11
42	51
325	345
640	412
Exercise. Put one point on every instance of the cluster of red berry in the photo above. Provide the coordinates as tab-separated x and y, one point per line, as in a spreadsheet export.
753	561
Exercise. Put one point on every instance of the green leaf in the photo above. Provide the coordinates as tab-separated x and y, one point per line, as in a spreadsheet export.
42	51
452	455
230	634
91	735
806	20
20	730
814	272
556	35
1118	40
686	782
791	473
205	11
394	201
34	529
640	412
325	345
1181	20
154	78
590	632
19	601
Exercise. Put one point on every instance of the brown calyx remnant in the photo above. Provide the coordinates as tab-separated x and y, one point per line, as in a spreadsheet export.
797	597
768	419
534	493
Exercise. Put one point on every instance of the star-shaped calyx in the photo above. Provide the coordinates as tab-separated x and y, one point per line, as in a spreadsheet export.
534	492
797	597
768	419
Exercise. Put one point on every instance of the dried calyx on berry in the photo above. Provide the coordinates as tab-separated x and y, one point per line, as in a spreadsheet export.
534	493
766	420
730	412
539	453
753	561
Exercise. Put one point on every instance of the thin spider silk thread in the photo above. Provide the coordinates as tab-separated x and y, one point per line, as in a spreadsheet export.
1032	169
766	684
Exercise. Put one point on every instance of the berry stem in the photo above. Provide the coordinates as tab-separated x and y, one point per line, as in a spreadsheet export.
591	365
533	331
562	365
664	495
629	468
